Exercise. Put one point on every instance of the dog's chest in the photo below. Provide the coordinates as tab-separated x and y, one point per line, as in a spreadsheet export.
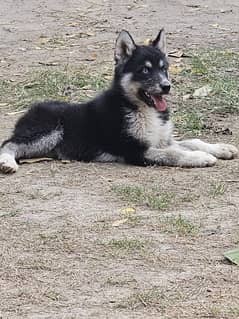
146	125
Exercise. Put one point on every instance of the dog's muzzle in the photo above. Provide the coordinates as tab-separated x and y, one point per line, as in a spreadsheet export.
165	85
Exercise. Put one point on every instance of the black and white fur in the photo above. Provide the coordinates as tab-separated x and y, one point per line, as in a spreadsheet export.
121	124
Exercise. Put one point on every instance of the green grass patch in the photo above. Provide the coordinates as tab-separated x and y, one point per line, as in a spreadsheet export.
198	66
152	198
218	189
190	121
8	214
54	84
124	246
217	69
178	225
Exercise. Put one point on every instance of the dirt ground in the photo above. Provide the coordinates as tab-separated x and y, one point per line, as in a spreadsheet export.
66	248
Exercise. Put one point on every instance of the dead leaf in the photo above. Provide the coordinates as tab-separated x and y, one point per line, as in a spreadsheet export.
30	85
226	11
193	5
224	131
16	112
175	69
128	17
217	26
74	24
48	63
178	54
187	97
35	160
119	222
82	35
43	40
203	91
233	256
128	210
92	58
214	25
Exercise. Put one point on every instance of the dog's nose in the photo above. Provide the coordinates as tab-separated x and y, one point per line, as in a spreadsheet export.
165	88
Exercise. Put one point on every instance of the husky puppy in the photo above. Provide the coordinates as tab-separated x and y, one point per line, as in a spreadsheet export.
129	122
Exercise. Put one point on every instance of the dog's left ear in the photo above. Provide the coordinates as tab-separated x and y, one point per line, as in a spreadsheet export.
160	41
124	47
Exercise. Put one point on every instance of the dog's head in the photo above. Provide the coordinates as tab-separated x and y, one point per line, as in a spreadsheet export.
142	70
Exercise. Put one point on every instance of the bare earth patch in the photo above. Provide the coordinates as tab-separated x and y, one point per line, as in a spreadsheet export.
113	241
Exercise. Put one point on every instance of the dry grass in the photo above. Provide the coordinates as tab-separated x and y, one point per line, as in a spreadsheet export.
62	258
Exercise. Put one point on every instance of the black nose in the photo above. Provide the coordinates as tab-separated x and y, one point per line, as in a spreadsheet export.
165	88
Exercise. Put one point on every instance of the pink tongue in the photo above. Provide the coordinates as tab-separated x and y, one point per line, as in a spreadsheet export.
160	103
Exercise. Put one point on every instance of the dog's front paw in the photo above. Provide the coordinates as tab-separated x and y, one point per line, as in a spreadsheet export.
224	151
198	159
8	164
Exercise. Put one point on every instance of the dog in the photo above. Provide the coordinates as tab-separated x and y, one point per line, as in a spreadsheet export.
127	123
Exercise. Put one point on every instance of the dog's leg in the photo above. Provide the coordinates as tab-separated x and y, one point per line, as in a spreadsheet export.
176	156
22	147
8	163
223	151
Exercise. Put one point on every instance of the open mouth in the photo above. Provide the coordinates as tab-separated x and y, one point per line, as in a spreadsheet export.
155	100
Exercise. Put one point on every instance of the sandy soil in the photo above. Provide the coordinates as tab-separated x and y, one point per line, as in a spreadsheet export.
56	260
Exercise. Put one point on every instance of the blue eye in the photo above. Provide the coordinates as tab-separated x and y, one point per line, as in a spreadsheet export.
145	70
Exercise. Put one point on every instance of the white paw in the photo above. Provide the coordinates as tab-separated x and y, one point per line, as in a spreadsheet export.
224	151
8	164
197	159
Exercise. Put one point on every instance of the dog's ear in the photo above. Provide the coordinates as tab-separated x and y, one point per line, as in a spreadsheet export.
124	47
160	41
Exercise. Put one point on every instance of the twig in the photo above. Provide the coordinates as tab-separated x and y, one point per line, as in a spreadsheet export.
231	181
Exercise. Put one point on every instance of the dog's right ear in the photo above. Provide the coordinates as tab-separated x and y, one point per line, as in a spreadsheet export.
124	47
160	41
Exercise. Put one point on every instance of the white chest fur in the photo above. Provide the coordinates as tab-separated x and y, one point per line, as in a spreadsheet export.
146	125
